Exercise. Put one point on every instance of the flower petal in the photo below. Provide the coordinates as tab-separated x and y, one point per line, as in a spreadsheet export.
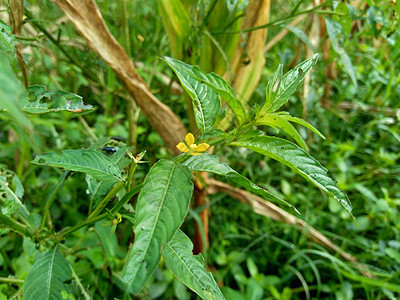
202	147
189	139
196	153
182	147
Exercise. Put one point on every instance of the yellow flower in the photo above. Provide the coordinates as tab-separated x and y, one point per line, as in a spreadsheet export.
191	147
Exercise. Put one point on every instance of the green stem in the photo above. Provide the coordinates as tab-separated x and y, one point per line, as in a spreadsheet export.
131	172
11	280
14	225
51	197
79	284
62	235
106	199
126	198
21	164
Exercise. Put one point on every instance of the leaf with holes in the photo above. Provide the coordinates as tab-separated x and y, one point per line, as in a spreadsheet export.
210	163
298	160
189	268
162	205
217	83
46	278
90	162
38	100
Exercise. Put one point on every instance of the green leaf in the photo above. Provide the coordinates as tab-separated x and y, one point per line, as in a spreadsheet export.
188	268
11	193
45	279
302	36
298	160
210	163
177	25
344	19
10	90
215	82
206	103
90	162
337	37
284	89
97	189
302	122
37	100
7	39
276	120
162	205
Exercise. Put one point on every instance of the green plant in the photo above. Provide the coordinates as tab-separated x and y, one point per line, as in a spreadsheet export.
83	218
167	189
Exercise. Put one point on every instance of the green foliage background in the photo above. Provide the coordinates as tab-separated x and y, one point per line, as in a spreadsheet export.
251	257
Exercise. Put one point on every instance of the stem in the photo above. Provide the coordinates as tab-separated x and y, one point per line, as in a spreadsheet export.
133	115
22	158
79	284
88	129
107	198
61	236
132	170
126	198
93	219
11	280
51	197
14	225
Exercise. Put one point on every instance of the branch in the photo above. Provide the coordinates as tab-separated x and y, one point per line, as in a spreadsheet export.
88	21
270	210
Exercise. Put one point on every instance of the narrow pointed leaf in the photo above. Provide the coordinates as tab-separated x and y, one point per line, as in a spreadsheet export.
90	162
38	100
188	268
162	205
217	83
298	160
276	120
337	37
210	163
302	122
290	82
45	279
302	36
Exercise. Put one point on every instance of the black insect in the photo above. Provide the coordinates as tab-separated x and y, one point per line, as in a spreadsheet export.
109	149
116	138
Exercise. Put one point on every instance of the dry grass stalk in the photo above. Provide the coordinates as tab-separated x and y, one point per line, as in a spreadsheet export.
17	16
248	59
